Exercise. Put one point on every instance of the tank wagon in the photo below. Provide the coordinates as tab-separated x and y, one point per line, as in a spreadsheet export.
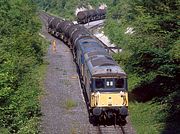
103	81
84	17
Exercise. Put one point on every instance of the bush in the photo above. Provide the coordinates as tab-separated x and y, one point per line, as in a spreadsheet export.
21	52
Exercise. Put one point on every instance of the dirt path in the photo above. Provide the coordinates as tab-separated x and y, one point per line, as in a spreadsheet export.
63	106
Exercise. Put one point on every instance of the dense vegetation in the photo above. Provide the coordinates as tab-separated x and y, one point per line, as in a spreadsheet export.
151	58
21	54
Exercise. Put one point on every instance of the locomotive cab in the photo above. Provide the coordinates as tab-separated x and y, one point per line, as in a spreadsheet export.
109	84
109	98
109	92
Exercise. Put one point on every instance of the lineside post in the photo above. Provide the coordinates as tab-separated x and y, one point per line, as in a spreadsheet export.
54	46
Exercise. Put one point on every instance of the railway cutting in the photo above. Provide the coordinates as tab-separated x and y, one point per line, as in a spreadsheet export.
63	106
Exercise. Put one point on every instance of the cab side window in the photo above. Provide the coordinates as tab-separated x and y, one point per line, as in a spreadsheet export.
99	83
119	83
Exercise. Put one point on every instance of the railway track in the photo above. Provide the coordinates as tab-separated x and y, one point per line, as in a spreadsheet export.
107	130
95	129
91	27
44	17
109	49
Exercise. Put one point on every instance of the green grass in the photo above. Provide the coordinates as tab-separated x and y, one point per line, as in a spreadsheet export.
147	118
158	115
69	104
133	81
4	131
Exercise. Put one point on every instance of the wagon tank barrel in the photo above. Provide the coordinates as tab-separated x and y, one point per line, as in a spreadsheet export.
90	15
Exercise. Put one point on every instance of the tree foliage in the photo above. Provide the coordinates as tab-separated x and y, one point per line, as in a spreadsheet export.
151	48
20	53
154	44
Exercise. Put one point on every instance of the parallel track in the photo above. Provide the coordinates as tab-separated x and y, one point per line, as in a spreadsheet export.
93	129
44	17
110	49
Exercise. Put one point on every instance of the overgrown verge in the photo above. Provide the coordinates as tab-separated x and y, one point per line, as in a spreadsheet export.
21	67
148	33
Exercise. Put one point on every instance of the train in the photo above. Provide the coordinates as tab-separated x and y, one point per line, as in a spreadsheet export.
84	17
104	82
